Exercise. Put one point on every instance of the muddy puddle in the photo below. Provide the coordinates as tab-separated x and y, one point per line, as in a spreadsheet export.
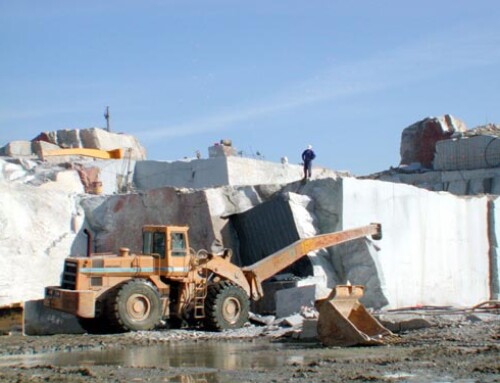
207	362
221	355
212	358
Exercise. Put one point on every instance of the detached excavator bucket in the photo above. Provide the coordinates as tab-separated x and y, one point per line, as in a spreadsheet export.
344	321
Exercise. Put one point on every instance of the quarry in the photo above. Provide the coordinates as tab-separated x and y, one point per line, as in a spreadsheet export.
65	193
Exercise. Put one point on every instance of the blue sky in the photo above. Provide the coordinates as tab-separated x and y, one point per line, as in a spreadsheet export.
272	76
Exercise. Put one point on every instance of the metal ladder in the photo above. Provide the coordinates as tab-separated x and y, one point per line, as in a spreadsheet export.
200	293
200	286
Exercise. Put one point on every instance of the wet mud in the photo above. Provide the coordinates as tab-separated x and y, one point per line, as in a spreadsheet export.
458	352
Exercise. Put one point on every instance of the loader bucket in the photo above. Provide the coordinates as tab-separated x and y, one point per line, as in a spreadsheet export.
344	321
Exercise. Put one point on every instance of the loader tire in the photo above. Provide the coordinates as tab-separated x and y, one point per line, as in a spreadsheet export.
134	306
99	324
94	325
226	307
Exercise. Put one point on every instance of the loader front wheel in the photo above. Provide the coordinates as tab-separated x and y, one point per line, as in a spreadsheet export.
226	307
94	325
135	306
99	324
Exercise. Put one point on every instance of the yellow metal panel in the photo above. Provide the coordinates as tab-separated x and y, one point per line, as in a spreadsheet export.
80	303
96	153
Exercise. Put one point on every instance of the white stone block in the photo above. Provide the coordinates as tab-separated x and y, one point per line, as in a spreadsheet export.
195	174
435	248
290	301
478	152
68	138
309	329
66	181
476	186
458	187
97	138
495	185
39	147
35	239
17	149
294	320
494	235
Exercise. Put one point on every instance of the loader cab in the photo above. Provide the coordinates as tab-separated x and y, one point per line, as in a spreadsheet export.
170	247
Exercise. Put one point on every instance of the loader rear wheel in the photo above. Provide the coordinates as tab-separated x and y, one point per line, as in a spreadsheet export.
134	306
226	307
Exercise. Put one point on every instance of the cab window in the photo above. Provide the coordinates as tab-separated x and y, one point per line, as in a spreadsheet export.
178	244
159	244
147	242
153	243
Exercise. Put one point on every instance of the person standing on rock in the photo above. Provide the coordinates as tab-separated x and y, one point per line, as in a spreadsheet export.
307	157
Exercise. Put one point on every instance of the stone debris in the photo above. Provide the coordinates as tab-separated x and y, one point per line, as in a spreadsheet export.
294	320
397	321
484	130
404	322
265	320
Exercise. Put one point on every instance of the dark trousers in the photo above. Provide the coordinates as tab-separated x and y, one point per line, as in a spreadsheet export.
307	169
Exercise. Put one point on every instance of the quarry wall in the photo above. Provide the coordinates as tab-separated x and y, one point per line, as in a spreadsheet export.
437	248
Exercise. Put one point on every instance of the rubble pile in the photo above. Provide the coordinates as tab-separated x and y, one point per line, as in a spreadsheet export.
484	130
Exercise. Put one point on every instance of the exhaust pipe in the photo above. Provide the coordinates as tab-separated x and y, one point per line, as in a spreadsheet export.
89	242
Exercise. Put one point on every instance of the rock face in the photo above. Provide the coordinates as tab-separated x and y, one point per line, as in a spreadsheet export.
437	249
418	141
117	221
38	229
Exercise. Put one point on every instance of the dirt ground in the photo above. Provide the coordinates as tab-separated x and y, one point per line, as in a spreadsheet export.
450	351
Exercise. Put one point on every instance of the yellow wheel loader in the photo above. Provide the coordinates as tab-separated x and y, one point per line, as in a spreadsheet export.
172	282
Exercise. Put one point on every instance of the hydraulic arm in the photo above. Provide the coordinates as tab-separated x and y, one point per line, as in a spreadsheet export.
274	263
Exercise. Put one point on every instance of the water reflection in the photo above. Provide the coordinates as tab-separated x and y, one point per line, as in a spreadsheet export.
223	356
198	378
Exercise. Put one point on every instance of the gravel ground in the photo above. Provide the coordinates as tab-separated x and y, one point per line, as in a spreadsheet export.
458	350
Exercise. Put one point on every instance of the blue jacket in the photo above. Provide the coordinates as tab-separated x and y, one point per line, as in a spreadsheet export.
308	155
